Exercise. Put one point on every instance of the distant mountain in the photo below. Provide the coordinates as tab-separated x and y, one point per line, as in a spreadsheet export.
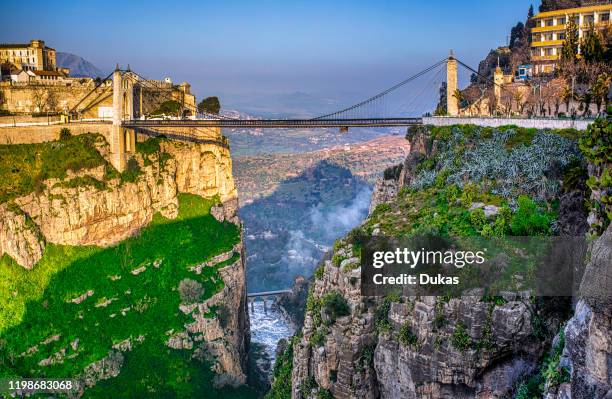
79	67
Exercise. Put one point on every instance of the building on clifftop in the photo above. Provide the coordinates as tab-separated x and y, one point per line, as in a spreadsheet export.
549	32
33	56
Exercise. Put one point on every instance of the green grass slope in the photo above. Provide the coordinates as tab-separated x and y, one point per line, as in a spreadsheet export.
39	320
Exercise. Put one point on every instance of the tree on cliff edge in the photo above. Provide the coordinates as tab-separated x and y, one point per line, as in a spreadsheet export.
210	105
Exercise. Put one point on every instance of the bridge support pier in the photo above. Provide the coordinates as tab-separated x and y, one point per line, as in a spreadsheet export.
122	140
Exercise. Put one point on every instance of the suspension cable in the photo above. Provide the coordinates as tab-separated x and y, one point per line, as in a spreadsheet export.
383	93
92	90
189	106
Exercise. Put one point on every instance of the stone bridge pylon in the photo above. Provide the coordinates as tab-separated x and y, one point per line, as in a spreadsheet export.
123	139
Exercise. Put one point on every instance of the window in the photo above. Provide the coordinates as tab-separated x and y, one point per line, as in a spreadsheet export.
561	36
549	22
561	21
588	19
576	20
536	38
548	51
604	17
548	36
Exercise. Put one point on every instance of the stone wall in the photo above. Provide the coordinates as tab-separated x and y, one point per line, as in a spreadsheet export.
40	134
521	122
53	98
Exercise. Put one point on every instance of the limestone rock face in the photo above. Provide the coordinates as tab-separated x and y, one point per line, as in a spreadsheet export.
588	350
90	215
225	337
87	215
384	191
19	237
588	334
356	361
204	169
458	348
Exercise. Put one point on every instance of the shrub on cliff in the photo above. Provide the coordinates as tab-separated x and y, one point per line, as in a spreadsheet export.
190	290
393	172
596	145
529	220
64	134
460	338
334	305
131	172
406	337
281	383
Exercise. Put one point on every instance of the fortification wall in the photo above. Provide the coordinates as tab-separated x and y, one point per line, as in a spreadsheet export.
52	98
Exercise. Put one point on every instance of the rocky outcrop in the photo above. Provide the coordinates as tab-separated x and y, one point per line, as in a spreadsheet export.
204	169
223	339
94	211
19	236
460	348
385	190
87	215
588	342
87	209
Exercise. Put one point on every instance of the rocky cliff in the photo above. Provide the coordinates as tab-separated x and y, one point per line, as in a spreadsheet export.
84	209
513	345
91	208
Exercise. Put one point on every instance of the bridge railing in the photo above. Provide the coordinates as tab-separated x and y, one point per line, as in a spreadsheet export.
275	123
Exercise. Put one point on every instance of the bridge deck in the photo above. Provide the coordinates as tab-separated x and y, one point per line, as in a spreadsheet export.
268	293
274	123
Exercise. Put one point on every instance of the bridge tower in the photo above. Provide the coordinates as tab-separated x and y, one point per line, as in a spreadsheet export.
498	81
122	140
452	104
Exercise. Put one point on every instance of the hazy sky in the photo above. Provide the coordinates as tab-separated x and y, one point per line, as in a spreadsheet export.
247	50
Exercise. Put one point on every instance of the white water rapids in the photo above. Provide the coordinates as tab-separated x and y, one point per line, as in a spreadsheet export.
268	326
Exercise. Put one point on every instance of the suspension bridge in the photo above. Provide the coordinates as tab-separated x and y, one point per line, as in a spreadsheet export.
129	117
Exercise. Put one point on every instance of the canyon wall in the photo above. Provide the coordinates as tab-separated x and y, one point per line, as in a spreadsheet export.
89	208
466	347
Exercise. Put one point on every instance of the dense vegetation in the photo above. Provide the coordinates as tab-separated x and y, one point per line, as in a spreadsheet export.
24	167
79	302
596	145
168	107
210	105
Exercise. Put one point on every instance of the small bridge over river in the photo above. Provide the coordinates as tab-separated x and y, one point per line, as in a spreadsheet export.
265	295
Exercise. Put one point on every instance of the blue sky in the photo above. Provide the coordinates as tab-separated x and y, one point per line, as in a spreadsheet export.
253	49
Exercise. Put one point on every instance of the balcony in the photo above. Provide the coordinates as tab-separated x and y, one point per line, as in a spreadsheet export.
547	43
538	29
544	57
